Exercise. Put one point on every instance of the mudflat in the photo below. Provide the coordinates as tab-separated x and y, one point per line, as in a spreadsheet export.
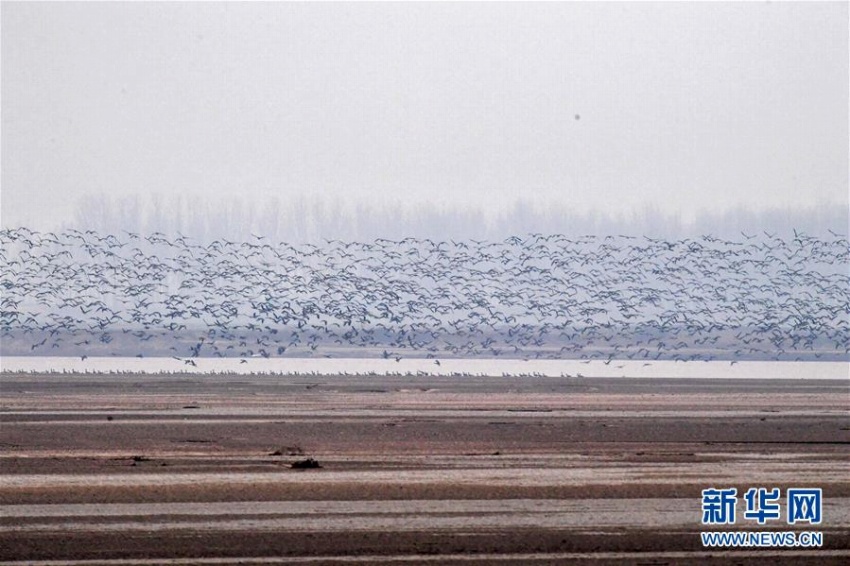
147	469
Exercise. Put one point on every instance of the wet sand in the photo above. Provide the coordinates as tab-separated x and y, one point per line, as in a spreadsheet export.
149	469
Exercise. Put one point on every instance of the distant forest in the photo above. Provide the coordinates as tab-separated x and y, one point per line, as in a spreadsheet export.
309	219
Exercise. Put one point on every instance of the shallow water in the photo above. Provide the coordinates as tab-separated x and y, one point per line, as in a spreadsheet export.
449	367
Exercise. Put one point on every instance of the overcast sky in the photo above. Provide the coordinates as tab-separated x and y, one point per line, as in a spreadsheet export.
615	106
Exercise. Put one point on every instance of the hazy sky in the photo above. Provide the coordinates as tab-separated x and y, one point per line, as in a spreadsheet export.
682	106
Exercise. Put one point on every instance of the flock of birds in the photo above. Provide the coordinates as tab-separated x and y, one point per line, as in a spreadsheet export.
763	296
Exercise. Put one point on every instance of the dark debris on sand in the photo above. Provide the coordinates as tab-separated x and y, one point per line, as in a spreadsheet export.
307	464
